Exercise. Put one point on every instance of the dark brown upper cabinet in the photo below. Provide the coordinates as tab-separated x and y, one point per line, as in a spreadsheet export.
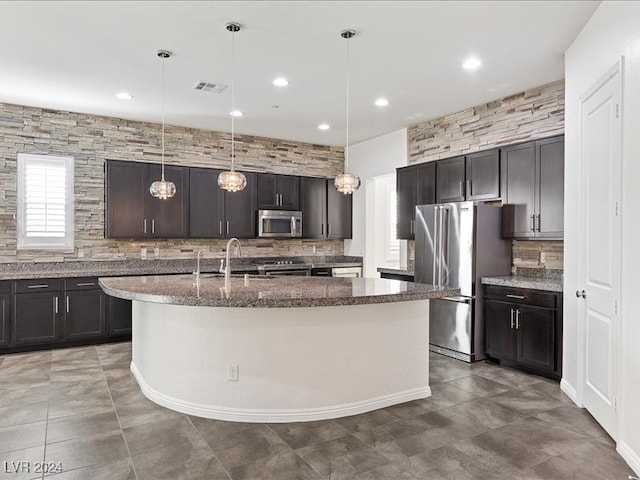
339	208
472	177
281	192
131	210
215	213
533	179
415	185
313	203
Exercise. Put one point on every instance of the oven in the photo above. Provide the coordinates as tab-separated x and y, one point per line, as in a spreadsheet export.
279	224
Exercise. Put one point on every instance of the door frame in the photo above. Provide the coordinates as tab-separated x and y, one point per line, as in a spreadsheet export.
616	69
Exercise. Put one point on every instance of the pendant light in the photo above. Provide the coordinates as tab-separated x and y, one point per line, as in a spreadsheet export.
162	188
347	183
232	181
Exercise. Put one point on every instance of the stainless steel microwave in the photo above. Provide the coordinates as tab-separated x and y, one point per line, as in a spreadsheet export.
279	223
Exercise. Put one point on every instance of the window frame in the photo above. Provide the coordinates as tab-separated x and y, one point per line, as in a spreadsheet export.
64	243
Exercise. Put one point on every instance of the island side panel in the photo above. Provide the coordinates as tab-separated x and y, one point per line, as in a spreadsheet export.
295	364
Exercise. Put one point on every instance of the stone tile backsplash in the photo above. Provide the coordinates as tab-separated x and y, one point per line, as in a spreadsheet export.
92	139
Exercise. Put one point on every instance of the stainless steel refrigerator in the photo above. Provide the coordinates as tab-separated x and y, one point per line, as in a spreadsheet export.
456	245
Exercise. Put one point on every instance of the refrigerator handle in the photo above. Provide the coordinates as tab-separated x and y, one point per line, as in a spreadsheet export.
440	247
435	242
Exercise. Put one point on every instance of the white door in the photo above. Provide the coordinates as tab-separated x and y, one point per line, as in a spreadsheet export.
599	273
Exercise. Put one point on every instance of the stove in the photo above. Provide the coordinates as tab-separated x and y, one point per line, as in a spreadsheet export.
283	267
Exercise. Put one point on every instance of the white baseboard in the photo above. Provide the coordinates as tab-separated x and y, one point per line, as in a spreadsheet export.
631	457
277	416
569	391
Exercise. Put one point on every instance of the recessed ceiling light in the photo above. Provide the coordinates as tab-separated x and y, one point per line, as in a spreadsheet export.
237	113
281	82
324	126
471	63
381	102
124	96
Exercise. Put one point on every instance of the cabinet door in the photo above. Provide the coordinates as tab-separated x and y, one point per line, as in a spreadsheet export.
206	204
425	174
168	218
4	320
85	314
118	316
288	187
450	180
406	186
127	189
338	213
240	210
499	334
519	180
36	318
550	162
267	197
535	345
313	202
483	175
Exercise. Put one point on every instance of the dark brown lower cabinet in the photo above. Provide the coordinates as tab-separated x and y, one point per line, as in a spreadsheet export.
524	328
85	315
119	315
5	319
36	318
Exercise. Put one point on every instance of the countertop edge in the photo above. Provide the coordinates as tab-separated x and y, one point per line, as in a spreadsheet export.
543	284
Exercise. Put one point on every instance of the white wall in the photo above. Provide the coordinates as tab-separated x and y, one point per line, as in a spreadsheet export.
613	31
368	159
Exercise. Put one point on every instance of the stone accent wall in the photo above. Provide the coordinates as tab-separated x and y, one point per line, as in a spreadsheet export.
532	114
92	139
529	115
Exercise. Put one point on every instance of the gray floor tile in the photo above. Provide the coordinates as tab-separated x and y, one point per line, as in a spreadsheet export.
284	466
485	411
31	391
391	471
88	451
25	364
445	372
506	376
74	426
22	436
303	434
190	460
478	386
136	409
525	401
74	358
164	433
114	353
21	463
120	470
446	463
211	429
17	414
246	446
365	421
342	458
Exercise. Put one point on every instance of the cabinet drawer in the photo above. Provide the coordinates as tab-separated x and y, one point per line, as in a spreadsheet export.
5	286
521	296
38	285
81	283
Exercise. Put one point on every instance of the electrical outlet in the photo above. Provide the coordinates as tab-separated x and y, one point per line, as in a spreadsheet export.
543	257
80	252
143	253
314	249
234	373
156	252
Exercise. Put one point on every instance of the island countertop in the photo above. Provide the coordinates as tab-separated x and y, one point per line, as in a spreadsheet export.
274	292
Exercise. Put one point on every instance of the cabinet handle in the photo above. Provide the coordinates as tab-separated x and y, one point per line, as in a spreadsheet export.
469	188
519	297
322	229
145	225
43	285
227	227
512	318
67	303
55	304
517	319
538	218
220	227
89	284
153	226
329	229
533	223
461	188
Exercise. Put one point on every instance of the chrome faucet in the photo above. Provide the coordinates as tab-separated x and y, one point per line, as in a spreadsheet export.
227	267
197	272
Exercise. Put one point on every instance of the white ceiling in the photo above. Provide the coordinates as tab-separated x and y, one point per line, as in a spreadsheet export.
77	55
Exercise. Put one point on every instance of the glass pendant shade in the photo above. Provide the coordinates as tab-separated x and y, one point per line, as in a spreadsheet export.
347	183
232	181
162	189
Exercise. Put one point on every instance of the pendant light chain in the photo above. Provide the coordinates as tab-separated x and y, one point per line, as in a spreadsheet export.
163	59
233	98
346	153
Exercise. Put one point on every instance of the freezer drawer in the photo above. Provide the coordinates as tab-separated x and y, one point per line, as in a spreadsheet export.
451	325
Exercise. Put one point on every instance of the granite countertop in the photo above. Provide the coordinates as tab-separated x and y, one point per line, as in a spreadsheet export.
264	291
533	283
397	271
26	271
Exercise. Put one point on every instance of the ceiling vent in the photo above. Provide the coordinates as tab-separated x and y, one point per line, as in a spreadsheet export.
209	87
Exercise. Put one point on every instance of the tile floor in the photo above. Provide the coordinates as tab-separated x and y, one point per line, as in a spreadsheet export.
82	408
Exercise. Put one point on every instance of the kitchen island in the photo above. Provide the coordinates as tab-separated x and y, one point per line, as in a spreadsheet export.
282	349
